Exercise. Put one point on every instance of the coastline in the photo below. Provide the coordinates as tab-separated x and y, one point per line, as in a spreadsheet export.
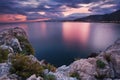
105	66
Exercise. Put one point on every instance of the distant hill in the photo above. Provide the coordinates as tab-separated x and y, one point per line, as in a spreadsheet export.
112	17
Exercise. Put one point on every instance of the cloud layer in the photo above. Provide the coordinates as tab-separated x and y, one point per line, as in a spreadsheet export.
57	8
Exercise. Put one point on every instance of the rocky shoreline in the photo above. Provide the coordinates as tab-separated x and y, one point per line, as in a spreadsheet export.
17	60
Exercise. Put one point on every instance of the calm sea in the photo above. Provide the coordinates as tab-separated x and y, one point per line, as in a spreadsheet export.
61	42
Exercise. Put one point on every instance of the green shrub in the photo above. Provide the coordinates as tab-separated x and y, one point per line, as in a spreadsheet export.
3	55
107	57
26	46
49	77
101	77
24	67
100	64
75	74
22	39
50	67
27	49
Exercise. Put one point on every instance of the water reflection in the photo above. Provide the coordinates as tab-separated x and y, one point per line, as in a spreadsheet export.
102	35
59	43
76	33
43	29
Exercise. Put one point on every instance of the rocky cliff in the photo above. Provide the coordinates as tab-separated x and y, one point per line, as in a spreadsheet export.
19	62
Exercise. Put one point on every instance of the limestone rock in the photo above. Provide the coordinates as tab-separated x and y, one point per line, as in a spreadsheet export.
33	77
62	76
4	68
84	65
9	77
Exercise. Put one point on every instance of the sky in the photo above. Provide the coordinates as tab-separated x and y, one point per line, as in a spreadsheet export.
55	9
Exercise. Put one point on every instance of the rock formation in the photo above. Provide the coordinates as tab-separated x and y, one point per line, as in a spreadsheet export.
106	66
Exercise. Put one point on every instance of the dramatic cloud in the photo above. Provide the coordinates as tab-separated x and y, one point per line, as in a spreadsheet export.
57	8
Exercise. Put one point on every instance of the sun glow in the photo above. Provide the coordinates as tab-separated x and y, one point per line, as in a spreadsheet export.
12	18
74	10
42	13
75	33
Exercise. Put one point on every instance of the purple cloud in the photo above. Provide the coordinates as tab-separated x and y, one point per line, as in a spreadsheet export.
54	8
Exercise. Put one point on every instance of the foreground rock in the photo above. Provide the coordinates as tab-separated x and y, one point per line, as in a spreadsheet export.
106	66
4	69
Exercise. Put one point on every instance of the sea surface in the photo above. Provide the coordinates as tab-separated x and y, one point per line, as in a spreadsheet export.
61	42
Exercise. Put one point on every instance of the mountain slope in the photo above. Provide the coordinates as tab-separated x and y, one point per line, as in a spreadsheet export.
112	17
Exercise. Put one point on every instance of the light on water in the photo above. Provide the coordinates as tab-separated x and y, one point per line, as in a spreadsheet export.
60	42
78	34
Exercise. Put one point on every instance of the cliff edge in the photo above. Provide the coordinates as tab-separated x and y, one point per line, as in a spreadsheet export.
17	62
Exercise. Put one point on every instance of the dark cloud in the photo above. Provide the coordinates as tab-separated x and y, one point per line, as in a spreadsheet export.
107	6
10	7
53	8
35	15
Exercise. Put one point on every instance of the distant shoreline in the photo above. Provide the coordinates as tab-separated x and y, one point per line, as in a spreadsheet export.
62	21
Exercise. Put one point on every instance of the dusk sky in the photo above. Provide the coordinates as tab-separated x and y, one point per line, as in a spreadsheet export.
54	9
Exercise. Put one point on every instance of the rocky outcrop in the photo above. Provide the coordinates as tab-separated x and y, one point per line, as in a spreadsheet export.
8	39
91	68
62	73
106	66
10	77
4	68
33	77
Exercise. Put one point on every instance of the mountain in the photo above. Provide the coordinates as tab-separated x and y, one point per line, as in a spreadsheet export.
76	15
112	17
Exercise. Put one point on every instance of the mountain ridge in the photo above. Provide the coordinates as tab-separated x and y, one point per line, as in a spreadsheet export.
112	17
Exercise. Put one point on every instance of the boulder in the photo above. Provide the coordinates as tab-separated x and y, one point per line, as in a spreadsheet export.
9	77
84	65
33	77
4	69
115	60
61	76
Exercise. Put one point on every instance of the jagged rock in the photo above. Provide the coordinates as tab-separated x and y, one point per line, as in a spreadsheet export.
86	68
107	79
9	77
10	57
85	76
46	71
104	71
15	43
83	65
115	60
61	76
13	77
4	68
33	58
8	39
9	48
63	68
4	77
33	77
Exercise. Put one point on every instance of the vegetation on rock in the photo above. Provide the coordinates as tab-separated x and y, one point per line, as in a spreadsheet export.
3	55
107	57
75	74
100	64
100	77
50	67
26	46
49	77
24	67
